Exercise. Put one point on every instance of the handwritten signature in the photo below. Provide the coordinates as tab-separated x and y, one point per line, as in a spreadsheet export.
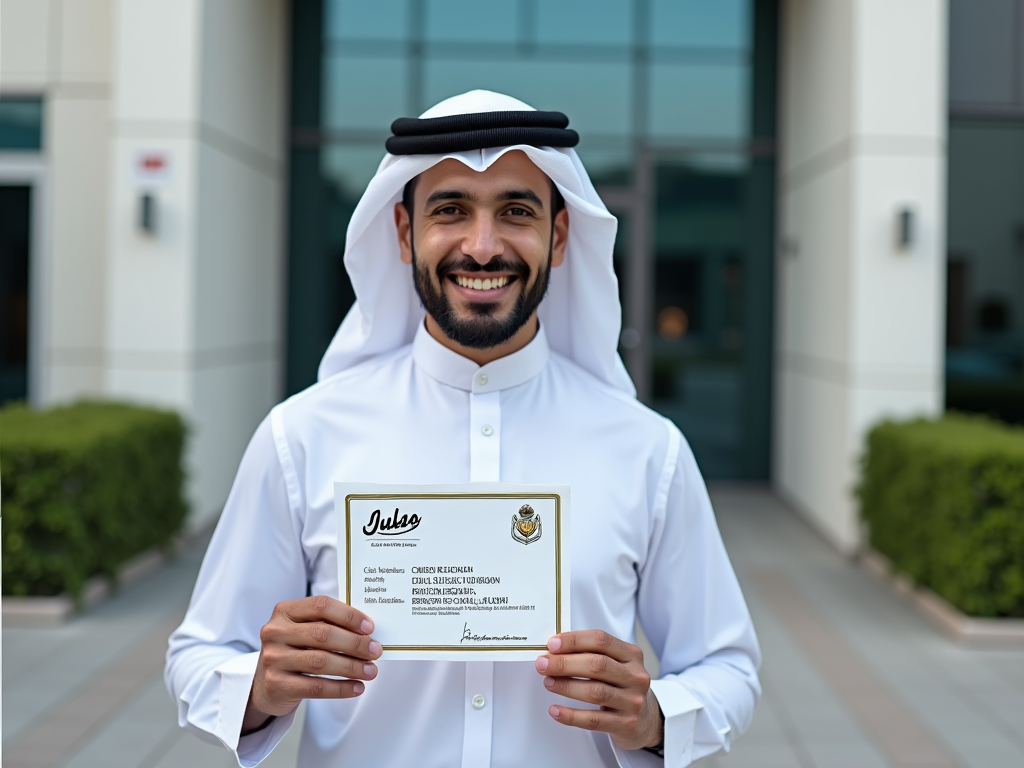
467	634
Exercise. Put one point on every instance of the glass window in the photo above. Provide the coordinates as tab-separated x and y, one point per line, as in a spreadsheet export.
609	163
699	101
985	285
982	42
472	21
364	93
696	316
585	22
700	23
596	97
21	123
349	168
362	20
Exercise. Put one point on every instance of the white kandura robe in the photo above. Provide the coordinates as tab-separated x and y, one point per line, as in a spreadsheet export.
644	544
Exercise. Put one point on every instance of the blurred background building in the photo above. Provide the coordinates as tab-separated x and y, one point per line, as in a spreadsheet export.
821	204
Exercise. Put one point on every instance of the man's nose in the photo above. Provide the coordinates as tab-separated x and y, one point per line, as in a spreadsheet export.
482	242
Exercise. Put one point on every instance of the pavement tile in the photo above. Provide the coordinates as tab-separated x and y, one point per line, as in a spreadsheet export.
815	712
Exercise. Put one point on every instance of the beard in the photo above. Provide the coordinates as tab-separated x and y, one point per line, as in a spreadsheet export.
482	330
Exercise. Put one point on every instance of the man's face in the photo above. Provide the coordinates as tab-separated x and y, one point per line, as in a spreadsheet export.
482	246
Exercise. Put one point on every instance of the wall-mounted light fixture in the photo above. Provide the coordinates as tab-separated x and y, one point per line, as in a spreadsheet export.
147	213
905	228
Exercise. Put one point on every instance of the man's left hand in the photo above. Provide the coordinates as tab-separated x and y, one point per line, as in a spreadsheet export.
594	667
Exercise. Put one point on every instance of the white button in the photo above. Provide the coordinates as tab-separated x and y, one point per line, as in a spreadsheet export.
479	701
482	379
487	430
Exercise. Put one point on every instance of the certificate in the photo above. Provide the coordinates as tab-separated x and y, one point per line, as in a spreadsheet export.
456	572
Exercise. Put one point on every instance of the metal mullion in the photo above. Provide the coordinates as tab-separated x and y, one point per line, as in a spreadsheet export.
415	63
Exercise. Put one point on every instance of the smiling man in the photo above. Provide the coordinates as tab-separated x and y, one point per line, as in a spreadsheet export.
482	348
482	252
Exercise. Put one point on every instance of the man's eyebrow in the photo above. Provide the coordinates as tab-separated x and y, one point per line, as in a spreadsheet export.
442	195
447	194
522	194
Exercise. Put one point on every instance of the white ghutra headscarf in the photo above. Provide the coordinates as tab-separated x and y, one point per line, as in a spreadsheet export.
581	313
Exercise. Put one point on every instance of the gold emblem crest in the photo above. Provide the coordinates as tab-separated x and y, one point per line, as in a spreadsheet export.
526	527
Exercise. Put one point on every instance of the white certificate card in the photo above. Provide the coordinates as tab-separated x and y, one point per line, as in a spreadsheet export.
457	572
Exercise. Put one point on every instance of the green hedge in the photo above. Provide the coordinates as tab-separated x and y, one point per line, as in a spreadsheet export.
944	501
84	488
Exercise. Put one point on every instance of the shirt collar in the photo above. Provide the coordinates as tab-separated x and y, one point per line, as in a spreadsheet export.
451	368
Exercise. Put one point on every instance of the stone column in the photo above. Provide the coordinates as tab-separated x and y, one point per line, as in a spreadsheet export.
195	307
860	318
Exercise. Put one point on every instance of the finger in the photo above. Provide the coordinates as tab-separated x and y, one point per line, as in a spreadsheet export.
594	667
317	662
626	700
328	610
595	641
318	635
593	719
291	686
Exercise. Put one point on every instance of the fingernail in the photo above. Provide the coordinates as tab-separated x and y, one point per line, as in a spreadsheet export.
542	663
555	711
554	643
549	682
366	627
369	670
374	648
358	688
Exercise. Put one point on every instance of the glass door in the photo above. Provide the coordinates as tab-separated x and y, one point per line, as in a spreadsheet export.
693	258
15	234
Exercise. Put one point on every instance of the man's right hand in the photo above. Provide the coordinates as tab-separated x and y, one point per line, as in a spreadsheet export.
313	636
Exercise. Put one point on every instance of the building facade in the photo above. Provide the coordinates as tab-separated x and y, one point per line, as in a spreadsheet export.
176	177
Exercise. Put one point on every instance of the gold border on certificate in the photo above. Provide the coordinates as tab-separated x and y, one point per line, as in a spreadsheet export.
462	648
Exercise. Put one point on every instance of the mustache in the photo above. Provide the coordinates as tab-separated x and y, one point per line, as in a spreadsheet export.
467	264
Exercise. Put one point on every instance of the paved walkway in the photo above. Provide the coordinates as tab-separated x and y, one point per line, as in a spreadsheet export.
851	678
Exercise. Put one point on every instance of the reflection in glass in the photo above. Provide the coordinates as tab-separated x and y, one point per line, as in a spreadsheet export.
985	271
15	251
585	22
327	184
363	93
21	123
699	101
700	23
596	97
471	21
697	314
360	20
609	163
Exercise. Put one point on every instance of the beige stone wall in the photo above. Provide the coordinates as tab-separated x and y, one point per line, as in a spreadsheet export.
60	50
860	321
189	318
195	310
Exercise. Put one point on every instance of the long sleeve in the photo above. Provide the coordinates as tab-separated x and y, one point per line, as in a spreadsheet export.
254	561
693	612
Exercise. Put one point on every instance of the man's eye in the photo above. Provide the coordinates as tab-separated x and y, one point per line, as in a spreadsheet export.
519	212
448	210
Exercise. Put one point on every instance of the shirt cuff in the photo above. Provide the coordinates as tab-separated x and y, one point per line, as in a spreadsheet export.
235	683
680	708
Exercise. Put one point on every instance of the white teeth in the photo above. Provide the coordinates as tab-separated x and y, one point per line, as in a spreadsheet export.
481	285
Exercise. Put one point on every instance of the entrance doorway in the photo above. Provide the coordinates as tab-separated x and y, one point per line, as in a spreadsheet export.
15	250
675	106
693	259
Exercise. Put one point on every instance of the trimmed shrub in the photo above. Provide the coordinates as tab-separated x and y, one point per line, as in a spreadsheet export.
944	501
84	488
